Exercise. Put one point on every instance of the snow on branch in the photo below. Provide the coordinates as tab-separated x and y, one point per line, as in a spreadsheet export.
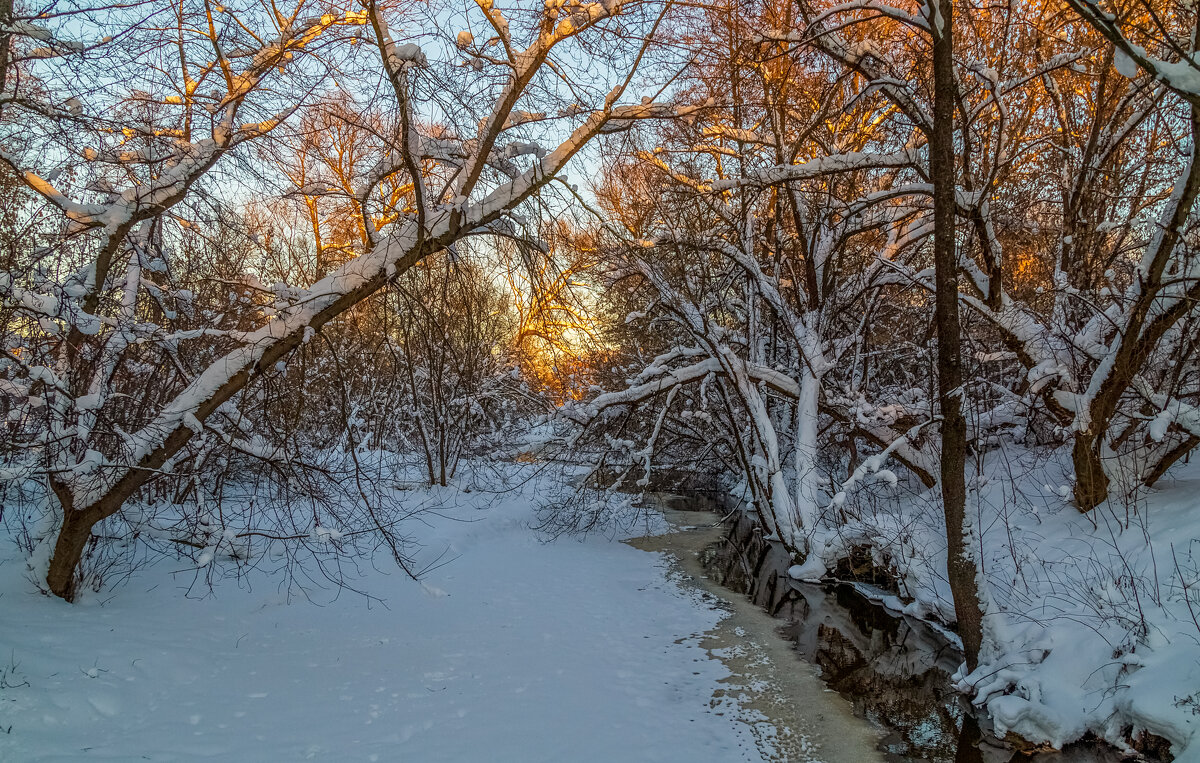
820	166
881	8
1182	76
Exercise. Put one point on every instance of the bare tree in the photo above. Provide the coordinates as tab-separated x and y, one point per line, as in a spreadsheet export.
960	564
152	149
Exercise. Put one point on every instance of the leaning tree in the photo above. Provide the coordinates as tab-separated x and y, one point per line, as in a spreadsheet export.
112	370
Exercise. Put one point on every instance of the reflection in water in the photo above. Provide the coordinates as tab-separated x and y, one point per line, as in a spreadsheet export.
895	669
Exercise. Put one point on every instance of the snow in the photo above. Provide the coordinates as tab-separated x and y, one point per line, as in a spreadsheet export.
516	650
1088	624
29	29
824	165
410	53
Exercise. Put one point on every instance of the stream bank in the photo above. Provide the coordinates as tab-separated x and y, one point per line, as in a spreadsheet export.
893	670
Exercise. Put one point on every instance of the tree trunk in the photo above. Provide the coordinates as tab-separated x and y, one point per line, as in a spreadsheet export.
6	13
960	565
68	551
1091	483
807	418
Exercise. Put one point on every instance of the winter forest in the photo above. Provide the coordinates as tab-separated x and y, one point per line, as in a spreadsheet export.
621	380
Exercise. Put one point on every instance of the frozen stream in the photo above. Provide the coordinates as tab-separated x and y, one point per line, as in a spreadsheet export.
792	715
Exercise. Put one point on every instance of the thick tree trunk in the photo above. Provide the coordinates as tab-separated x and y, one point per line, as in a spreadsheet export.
960	565
807	418
68	551
1091	483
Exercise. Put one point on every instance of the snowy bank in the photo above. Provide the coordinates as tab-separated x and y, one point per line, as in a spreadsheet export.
1091	619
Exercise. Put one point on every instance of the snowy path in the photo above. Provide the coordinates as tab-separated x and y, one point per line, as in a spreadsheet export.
517	651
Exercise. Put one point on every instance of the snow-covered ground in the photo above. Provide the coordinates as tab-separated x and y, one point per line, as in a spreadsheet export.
515	650
1092	621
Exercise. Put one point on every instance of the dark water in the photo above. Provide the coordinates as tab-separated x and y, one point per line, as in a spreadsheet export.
894	669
